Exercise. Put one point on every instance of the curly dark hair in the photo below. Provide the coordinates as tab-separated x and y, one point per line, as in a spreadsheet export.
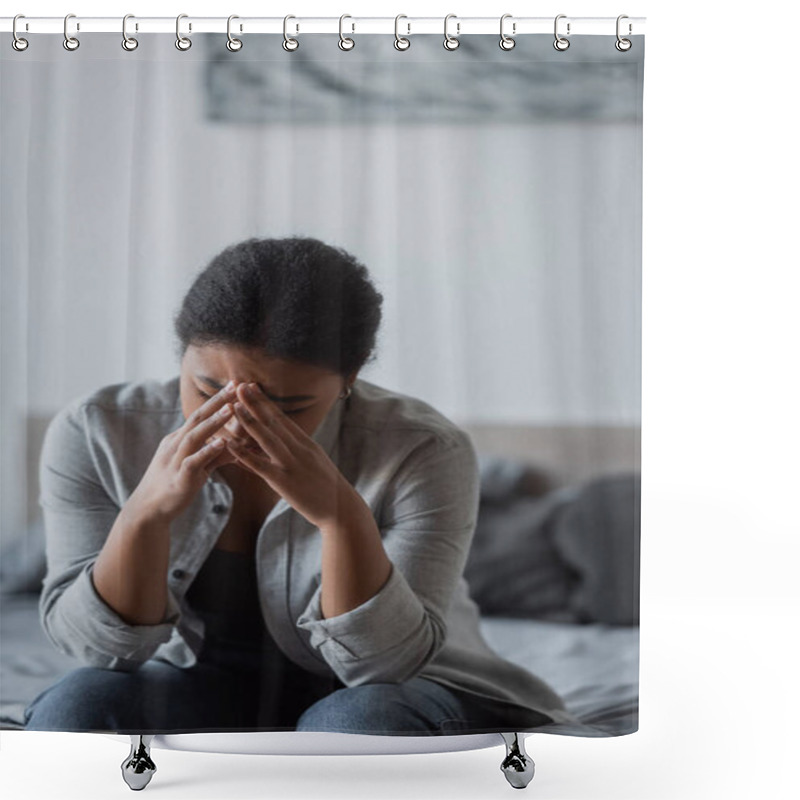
295	298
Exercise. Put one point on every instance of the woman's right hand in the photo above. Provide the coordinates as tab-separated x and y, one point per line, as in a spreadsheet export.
184	459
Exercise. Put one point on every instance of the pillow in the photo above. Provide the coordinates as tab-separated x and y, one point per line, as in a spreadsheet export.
570	555
513	568
597	535
504	478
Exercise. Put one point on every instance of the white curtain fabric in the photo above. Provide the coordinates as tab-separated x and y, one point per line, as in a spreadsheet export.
508	252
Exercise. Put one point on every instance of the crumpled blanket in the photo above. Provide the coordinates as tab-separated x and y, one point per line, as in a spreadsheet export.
568	555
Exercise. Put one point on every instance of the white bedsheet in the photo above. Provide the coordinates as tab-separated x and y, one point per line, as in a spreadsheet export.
595	669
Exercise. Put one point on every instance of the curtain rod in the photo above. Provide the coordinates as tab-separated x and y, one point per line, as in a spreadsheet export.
408	26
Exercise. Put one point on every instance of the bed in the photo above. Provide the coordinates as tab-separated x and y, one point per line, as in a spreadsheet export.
553	568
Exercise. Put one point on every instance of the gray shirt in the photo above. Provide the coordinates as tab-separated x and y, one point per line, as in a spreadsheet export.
416	470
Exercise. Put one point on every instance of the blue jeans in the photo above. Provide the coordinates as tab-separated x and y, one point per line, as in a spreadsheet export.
162	698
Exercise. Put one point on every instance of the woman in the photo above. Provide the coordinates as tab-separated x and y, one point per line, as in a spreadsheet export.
266	541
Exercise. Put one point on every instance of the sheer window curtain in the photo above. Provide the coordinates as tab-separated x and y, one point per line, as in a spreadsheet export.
512	292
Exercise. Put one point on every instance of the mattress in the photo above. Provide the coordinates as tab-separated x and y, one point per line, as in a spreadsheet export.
594	667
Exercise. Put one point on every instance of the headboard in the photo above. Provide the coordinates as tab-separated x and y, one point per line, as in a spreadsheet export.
560	454
563	454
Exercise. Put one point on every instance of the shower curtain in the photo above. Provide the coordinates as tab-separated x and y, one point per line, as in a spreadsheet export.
494	197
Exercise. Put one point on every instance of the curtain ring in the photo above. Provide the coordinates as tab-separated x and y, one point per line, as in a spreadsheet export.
451	42
289	44
401	43
18	43
560	42
233	44
507	42
70	42
182	42
345	43
128	42
623	45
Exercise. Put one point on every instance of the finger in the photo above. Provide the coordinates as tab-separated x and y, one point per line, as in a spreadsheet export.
253	461
204	456
268	413
263	431
260	433
196	437
211	406
247	467
285	428
225	457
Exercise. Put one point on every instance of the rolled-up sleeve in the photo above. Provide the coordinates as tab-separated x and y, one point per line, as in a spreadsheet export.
427	521
78	516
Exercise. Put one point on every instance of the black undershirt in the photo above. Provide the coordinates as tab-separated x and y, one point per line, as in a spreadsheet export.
225	595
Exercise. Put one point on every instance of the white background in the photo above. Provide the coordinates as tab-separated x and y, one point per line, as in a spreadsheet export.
719	616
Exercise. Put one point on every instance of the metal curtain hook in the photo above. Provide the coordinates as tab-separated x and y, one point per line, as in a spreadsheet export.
623	45
507	42
289	44
70	42
233	44
182	42
18	43
399	42
128	42
344	42
560	42
451	42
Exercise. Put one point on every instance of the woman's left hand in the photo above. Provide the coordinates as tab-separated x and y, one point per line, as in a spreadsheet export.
289	460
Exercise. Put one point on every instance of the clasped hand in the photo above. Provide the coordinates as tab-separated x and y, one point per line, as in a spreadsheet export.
287	459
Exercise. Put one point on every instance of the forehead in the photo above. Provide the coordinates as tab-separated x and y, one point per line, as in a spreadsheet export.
223	362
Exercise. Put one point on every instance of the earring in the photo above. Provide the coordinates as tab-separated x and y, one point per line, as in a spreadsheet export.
347	393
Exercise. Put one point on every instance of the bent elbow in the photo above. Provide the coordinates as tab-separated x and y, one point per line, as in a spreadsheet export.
84	653
435	642
400	670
